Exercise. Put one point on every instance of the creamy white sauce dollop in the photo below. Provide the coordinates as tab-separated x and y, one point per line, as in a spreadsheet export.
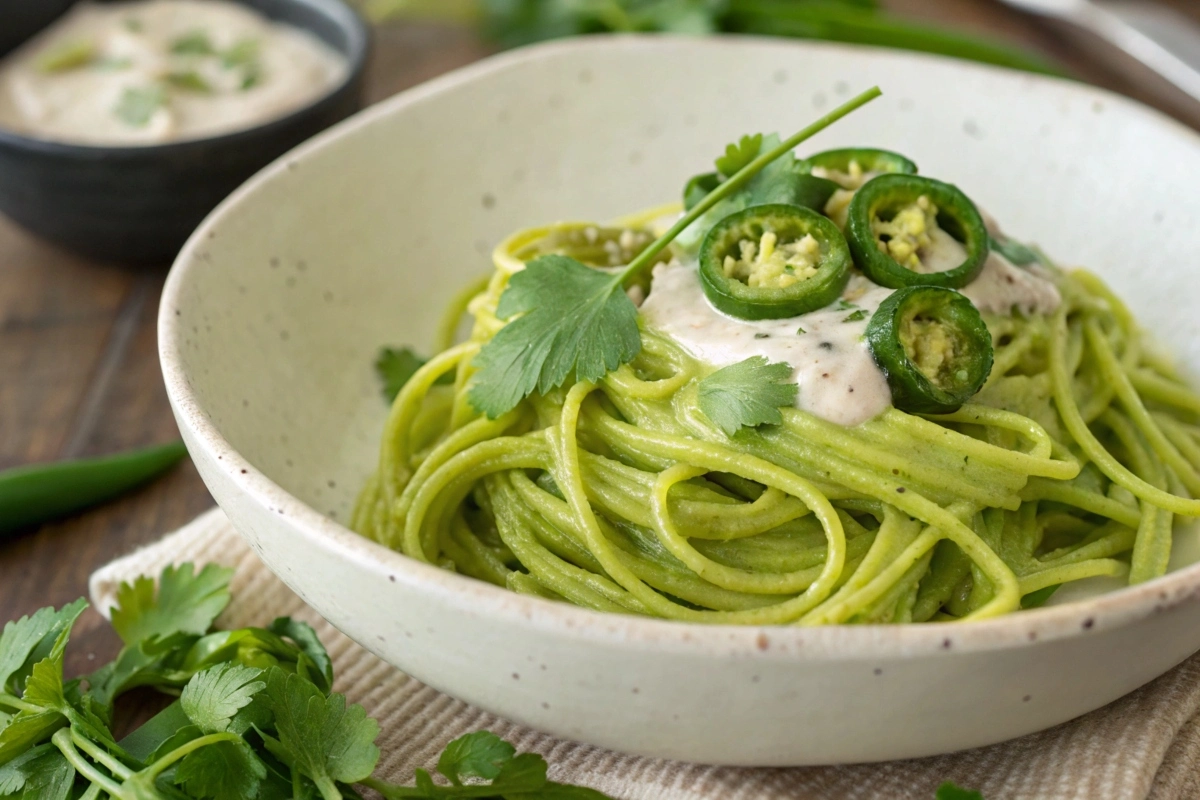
154	71
832	364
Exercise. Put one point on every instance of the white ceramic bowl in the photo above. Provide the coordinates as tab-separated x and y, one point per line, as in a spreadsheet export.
274	311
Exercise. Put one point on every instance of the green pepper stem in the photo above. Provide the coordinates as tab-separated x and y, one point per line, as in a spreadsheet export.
62	740
100	754
739	179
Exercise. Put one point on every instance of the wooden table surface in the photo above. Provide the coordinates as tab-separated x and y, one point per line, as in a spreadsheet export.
78	361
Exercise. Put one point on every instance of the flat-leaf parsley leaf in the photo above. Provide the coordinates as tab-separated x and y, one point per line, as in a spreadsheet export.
747	394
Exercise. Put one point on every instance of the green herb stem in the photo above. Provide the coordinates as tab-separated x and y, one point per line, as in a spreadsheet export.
155	769
390	790
461	792
62	740
100	754
91	793
19	705
328	788
649	255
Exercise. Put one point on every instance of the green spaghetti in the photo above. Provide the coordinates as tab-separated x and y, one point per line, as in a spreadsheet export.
1065	449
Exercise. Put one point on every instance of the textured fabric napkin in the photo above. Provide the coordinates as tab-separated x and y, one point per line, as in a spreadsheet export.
1146	744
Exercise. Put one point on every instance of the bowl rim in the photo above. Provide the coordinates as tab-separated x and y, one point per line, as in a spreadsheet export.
337	11
1105	612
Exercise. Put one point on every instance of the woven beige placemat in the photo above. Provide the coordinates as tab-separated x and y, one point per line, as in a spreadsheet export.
1146	744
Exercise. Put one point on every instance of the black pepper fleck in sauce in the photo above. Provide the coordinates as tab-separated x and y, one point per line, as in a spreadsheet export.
826	345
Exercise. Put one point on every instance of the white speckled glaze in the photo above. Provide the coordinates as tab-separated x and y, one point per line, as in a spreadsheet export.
275	308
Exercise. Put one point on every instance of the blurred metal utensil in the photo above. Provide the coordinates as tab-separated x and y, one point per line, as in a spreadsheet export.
1158	37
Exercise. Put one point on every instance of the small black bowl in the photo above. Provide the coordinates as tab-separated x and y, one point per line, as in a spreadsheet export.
139	204
20	19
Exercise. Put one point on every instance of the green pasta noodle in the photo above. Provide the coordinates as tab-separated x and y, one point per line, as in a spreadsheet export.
1074	461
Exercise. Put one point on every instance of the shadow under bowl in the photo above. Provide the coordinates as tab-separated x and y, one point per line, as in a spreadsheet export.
139	204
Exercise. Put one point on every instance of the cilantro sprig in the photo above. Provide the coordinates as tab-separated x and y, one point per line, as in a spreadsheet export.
255	717
567	319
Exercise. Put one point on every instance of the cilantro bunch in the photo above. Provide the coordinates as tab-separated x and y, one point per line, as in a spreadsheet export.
255	718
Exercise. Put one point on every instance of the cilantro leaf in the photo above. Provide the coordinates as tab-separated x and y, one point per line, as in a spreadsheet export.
574	320
241	53
310	645
856	316
739	154
22	637
321	737
476	755
41	773
223	771
13	774
194	43
186	602
46	691
525	772
67	56
396	366
213	697
138	104
747	394
948	791
27	729
149	662
784	180
45	686
189	80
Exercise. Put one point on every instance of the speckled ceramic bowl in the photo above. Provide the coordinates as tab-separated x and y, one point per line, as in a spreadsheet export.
276	307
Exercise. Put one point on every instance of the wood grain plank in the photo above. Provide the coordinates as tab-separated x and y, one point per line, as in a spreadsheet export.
55	314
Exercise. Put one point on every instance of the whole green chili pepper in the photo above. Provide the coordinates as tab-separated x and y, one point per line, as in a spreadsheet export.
933	347
884	198
41	492
814	280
